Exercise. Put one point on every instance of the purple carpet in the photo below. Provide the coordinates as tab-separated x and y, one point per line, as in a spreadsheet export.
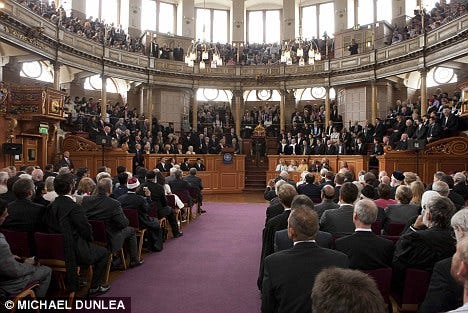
213	268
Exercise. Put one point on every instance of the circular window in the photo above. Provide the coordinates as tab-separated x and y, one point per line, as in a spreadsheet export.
263	94
443	75
318	92
32	69
210	94
95	82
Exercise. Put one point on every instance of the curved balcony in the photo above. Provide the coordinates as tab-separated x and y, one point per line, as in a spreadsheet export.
25	29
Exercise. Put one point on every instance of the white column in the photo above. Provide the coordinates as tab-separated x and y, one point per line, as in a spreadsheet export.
56	76
238	21
134	18
341	15
78	8
288	23
186	18
104	97
142	99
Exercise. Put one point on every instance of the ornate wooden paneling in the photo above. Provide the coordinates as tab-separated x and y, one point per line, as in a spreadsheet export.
448	155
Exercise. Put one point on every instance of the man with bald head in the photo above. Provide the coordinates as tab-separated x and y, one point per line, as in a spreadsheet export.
366	251
327	194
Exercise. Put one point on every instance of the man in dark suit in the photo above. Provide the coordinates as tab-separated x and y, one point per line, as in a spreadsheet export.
66	161
434	131
380	130
185	166
290	274
327	194
444	293
23	214
309	188
403	211
66	217
420	131
283	147
17	275
305	148
320	148
286	194
142	204
366	251
340	221
199	165
163	166
283	242
138	159
427	241
158	198
196	182
449	122
102	207
330	149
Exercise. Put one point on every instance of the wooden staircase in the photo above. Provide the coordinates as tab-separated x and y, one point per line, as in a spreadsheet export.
255	173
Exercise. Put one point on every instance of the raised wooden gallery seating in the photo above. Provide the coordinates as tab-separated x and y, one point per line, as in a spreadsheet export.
218	177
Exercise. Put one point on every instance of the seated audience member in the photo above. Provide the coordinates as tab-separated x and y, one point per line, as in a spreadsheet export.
327	195
340	221
403	211
9	196
283	242
185	166
309	188
460	273
190	150
346	291
23	214
290	274
276	207
121	187
171	176
384	200
459	185
50	194
451	194
196	182
270	190
158	197
282	166
180	185
366	251
163	165
103	208
160	179
303	166
427	241
66	217
444	293
16	274
292	166
142	204
85	188
199	165
396	180
286	194
417	188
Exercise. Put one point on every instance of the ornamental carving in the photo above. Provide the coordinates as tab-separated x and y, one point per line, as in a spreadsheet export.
76	143
457	146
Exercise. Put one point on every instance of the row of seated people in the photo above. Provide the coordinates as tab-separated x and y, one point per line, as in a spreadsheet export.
354	218
127	208
94	29
399	136
440	14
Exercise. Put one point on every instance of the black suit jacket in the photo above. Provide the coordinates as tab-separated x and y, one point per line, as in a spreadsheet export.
420	132
133	201
330	150
400	213
108	210
421	249
185	167
282	241
269	193
276	223
64	163
444	293
290	274
366	251
24	215
325	205
273	210
338	220
310	190
163	168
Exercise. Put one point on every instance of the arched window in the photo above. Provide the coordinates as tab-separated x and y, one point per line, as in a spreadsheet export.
95	83
218	95
263	26
37	70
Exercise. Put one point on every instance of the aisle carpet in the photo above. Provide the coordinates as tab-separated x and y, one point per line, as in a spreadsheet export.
213	268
